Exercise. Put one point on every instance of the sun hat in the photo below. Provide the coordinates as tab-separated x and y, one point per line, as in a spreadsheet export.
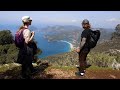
26	18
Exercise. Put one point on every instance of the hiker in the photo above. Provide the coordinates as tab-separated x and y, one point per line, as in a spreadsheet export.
25	56
84	49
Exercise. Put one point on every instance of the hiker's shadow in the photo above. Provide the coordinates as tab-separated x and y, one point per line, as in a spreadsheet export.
41	73
15	73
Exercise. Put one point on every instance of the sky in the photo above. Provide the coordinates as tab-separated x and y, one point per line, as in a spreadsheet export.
101	19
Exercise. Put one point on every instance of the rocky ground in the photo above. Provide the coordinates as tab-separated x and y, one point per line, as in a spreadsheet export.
46	71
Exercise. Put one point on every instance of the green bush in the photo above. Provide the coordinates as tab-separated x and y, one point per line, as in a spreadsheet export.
8	53
3	59
100	59
6	37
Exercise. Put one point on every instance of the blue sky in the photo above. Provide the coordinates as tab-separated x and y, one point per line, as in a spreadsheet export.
102	19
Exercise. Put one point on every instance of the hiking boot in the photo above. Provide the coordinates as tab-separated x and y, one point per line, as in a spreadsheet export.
34	71
80	73
26	77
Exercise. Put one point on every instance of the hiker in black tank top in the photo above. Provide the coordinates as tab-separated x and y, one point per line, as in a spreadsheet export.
84	49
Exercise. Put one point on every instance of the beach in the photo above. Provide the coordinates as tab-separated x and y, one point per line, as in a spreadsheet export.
71	45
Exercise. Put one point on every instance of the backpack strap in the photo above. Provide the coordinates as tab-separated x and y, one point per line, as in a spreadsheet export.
21	31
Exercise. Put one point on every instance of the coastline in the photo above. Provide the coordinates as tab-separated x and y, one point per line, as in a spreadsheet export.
68	48
71	45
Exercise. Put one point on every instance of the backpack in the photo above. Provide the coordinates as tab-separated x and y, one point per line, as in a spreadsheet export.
94	37
19	40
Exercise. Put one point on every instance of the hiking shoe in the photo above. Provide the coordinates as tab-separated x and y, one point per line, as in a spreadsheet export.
34	71
26	77
80	73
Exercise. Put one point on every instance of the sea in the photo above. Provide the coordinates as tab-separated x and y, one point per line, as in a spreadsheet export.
49	48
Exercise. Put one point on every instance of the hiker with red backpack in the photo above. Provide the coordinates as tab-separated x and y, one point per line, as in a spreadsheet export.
23	38
88	41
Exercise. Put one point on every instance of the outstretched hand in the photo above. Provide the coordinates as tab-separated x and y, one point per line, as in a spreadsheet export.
78	49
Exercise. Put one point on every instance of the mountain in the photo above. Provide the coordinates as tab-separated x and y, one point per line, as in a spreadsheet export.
72	33
106	34
15	27
68	33
112	43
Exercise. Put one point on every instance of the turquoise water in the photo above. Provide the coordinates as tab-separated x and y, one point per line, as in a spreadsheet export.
50	48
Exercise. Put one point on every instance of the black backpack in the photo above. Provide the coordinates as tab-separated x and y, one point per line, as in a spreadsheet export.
94	37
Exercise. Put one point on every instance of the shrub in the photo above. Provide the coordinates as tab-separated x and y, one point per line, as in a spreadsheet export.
100	59
6	37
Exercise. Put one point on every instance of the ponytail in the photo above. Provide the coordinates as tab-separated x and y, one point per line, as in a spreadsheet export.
21	28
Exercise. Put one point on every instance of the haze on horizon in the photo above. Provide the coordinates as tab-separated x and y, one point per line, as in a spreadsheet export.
101	19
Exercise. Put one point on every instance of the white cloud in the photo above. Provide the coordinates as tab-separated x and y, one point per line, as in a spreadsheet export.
113	20
74	20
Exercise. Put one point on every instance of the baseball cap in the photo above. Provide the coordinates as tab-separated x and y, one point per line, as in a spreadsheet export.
85	21
26	18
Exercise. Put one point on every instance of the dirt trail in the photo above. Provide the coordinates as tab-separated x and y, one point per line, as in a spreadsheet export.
47	72
90	74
